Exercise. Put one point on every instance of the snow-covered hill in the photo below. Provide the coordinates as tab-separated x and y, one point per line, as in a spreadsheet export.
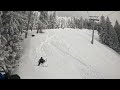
69	54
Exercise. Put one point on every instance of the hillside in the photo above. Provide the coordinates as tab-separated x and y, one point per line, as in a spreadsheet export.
69	54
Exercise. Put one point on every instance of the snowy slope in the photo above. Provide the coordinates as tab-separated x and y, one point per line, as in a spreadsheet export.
69	54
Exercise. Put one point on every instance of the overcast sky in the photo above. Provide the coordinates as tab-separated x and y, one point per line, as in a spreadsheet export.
111	14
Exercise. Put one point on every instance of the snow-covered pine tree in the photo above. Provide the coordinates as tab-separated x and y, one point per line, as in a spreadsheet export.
62	22
50	22
81	22
85	24
71	23
44	18
77	22
28	23
117	29
43	21
36	19
112	36
107	34
103	34
57	22
32	20
10	37
54	19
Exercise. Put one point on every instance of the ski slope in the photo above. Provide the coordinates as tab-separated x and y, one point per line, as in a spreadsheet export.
69	54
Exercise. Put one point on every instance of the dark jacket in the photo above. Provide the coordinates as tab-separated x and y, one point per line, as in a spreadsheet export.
41	60
2	77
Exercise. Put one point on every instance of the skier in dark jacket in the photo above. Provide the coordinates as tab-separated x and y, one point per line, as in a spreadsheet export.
41	60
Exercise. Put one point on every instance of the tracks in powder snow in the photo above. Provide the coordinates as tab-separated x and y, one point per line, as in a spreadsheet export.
85	70
40	51
56	43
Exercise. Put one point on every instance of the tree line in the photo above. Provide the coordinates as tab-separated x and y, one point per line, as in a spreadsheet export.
109	34
11	24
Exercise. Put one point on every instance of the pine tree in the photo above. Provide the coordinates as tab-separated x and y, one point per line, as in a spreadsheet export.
78	22
52	20
10	37
28	23
44	17
57	22
85	24
72	23
32	20
112	39
69	23
103	34
117	29
75	22
62	23
36	19
43	21
107	34
81	22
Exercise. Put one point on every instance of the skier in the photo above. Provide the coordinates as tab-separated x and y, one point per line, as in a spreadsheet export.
41	60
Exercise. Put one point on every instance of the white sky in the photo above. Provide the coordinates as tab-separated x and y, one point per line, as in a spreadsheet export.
114	15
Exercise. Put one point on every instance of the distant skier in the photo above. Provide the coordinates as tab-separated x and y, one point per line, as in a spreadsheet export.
41	61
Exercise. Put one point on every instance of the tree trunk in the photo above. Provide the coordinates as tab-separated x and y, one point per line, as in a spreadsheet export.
32	26
37	30
40	30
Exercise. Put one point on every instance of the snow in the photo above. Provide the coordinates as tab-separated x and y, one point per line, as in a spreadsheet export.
69	54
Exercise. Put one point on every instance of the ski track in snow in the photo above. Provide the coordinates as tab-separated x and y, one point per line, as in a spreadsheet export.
86	71
63	58
53	41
